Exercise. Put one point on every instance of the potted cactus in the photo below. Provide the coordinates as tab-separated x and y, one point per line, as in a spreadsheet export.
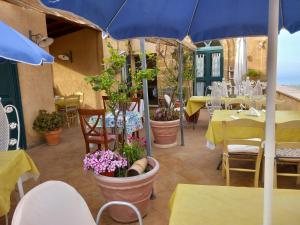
49	124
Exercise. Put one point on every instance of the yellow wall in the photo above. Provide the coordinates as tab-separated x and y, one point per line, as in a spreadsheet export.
36	82
86	47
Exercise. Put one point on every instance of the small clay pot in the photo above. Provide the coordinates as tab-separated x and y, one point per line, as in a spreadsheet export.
165	133
53	137
137	168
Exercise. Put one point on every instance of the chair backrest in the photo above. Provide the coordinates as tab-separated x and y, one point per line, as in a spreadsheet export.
52	202
7	127
89	120
81	96
291	126
229	138
105	99
72	101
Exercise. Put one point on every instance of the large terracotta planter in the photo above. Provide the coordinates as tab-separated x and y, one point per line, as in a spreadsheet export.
53	137
136	190
165	133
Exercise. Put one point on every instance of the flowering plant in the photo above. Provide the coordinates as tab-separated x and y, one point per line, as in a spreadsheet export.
104	161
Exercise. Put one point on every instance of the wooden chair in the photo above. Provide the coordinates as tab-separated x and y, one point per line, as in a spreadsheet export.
242	149
287	152
93	134
70	109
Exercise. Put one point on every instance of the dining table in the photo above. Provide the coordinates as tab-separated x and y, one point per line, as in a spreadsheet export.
14	165
195	103
214	134
226	205
133	121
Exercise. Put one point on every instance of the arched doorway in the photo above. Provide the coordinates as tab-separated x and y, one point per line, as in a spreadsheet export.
209	64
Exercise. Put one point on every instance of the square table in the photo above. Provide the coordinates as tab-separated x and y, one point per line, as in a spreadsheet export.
214	133
13	165
225	205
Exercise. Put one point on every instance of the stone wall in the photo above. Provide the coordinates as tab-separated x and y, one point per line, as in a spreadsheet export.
87	60
36	82
289	98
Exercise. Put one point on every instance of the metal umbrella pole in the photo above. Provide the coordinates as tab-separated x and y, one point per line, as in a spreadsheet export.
270	112
146	99
180	71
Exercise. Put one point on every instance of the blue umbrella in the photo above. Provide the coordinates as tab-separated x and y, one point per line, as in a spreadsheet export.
16	47
201	20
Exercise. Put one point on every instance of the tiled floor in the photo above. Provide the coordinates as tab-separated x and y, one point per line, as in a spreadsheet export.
193	164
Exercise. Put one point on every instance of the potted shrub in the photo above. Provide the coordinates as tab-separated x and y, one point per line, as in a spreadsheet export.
49	124
111	172
123	173
254	74
165	120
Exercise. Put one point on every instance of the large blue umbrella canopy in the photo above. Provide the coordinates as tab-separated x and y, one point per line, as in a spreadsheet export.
16	47
199	19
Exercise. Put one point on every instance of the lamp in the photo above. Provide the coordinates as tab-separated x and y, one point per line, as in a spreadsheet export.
40	40
68	56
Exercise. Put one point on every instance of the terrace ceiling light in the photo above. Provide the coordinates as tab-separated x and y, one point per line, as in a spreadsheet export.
40	40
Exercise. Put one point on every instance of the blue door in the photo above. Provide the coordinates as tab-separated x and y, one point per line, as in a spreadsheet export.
209	67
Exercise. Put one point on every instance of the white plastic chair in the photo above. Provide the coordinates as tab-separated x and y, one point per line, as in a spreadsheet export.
5	140
57	203
215	102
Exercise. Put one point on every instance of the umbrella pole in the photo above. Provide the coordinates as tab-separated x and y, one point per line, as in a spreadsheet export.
270	113
180	92
146	99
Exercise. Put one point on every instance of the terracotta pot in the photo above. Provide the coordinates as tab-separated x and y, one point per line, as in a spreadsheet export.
165	133
136	190
53	137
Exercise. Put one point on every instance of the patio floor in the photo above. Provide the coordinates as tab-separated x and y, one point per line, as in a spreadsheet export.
192	164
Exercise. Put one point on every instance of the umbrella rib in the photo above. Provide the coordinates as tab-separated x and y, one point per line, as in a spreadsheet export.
193	16
114	17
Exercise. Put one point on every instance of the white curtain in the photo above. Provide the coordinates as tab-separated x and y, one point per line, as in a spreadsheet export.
216	65
240	65
200	65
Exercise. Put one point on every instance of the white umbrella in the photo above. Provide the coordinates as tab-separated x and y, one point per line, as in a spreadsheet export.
240	64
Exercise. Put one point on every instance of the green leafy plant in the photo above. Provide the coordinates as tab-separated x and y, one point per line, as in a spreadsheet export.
46	122
170	61
134	149
254	74
119	91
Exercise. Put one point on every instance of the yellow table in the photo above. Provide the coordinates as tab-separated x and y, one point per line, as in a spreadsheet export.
196	103
221	205
214	132
13	165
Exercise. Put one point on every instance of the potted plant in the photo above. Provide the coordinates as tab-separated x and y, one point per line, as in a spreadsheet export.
253	74
165	120
111	172
49	124
114	169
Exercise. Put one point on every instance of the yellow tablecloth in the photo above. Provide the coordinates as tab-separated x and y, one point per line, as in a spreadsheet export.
13	164
214	132
221	205
195	103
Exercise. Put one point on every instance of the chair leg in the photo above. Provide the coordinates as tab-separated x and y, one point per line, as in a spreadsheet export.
223	166
257	168
87	147
6	219
227	170
298	171
275	175
20	188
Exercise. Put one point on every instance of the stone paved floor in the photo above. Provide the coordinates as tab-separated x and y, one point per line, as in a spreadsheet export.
192	164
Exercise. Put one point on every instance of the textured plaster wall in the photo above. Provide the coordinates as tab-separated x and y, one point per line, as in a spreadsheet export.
36	83
87	54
